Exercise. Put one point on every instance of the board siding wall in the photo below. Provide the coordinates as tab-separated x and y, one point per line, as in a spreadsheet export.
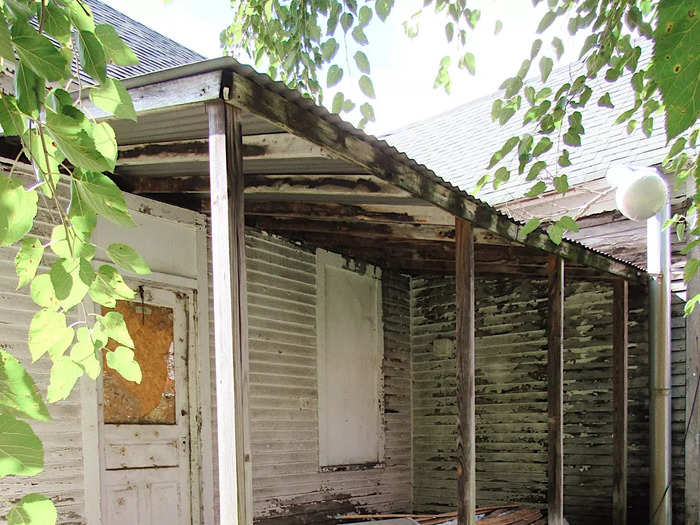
62	477
288	486
511	396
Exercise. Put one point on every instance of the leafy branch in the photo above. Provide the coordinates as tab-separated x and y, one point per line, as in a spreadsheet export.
51	44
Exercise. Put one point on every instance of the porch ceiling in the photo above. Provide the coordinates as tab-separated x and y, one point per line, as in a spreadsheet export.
299	190
311	177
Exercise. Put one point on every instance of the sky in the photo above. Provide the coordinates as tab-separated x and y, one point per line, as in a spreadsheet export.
403	70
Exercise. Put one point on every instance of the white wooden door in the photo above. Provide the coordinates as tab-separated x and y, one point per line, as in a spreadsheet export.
145	427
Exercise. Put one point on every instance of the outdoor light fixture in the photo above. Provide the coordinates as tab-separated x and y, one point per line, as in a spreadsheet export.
642	194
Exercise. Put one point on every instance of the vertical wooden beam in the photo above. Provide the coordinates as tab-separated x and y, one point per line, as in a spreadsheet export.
692	405
620	382
466	418
230	314
555	391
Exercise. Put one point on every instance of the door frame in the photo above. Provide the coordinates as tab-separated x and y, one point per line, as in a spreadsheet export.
202	483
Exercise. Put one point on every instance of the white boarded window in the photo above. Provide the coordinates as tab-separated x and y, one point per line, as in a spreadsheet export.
350	353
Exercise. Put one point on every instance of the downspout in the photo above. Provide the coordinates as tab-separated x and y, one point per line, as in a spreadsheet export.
659	268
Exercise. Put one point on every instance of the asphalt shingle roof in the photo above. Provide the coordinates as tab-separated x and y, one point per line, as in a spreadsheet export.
155	51
458	144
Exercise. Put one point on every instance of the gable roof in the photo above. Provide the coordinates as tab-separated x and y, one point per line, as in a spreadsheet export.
458	144
155	51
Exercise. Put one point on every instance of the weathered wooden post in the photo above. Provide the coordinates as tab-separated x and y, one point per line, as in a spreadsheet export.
466	418
555	391
230	312
620	309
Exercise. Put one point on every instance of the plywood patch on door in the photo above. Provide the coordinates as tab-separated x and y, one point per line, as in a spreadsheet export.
153	400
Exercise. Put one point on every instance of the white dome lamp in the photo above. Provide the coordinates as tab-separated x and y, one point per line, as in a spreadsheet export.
643	194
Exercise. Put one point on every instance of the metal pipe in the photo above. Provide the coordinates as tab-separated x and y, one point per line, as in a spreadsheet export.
659	268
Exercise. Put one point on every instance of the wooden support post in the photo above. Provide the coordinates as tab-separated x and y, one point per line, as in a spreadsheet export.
692	405
230	314
620	382
555	392
466	418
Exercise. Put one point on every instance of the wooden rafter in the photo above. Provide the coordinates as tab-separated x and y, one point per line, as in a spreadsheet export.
272	146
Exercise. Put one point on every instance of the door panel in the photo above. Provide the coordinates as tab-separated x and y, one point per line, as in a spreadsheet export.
145	431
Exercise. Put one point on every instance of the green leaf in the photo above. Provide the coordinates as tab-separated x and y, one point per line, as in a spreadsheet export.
530	226
605	101
29	90
74	137
113	98
496	109
48	333
535	49
383	8
329	48
20	396
127	258
568	223
335	74
571	138
561	184
109	286
359	36
535	169
92	56
38	52
106	143
56	23
546	64
101	195
122	360
18	208
61	247
468	61
12	122
367	111
338	100
6	50
365	15
502	175
27	260
546	21
677	63
537	189
71	280
563	160
20	10
544	144
21	452
362	62
346	20
42	292
33	509
691	268
558	46
114	47
556	233
83	353
113	326
64	374
497	27
81	15
366	86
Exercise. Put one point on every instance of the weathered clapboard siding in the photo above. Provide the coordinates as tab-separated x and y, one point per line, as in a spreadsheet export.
511	397
288	486
588	422
62	478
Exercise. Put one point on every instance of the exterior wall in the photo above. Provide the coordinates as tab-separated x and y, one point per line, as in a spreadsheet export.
511	396
62	478
288	485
